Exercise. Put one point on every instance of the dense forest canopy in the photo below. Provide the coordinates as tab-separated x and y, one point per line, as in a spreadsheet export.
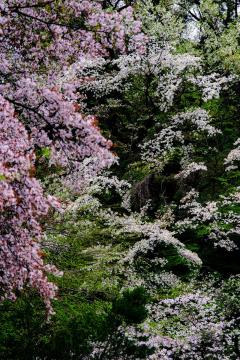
119	179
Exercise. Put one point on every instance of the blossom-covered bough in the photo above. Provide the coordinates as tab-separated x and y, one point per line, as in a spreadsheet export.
22	204
39	40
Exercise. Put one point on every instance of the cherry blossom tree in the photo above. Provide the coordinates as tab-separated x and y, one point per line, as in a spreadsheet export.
39	40
22	203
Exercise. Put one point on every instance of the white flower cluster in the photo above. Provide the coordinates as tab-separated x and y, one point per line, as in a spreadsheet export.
193	167
197	212
211	85
233	157
108	182
101	77
153	234
155	150
200	120
221	239
216	214
199	329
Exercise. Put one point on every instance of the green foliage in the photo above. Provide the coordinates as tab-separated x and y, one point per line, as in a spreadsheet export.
25	334
44	152
229	298
131	305
191	97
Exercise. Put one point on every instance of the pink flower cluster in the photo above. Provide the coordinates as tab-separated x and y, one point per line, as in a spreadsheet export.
44	32
22	203
39	41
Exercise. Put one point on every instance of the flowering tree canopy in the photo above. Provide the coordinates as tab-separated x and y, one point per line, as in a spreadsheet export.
39	40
